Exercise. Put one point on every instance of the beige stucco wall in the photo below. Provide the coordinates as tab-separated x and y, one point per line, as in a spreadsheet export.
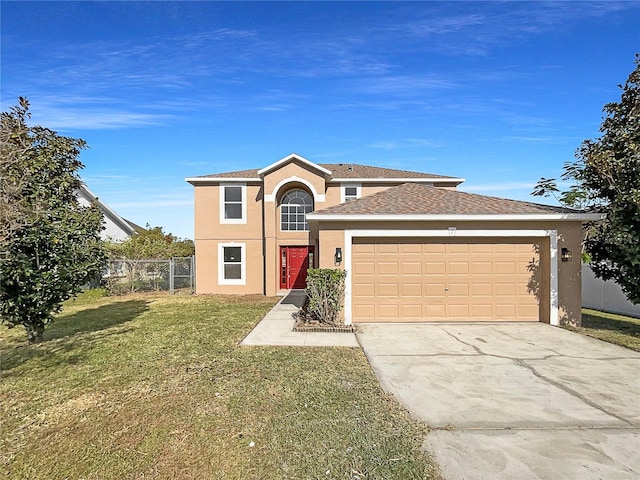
207	268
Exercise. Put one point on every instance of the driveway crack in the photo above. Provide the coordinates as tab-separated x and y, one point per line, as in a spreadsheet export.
477	349
570	391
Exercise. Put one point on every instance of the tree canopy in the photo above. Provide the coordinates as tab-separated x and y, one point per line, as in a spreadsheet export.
51	243
605	177
150	244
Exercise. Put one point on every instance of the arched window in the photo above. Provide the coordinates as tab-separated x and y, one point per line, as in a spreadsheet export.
294	207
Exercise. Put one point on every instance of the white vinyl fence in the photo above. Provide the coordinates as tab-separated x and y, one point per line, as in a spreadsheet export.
605	295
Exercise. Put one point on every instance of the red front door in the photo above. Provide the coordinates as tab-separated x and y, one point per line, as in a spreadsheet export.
294	262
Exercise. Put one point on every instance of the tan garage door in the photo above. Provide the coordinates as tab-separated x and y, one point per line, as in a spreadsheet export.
405	280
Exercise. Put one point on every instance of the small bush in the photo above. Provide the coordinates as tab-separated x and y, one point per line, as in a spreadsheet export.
325	290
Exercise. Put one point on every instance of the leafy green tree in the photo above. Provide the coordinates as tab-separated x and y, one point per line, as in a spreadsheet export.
151	244
606	178
54	247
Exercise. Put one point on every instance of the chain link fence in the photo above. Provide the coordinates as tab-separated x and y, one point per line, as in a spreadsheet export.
176	274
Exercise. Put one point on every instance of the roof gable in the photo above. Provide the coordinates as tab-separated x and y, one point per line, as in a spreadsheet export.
292	158
128	228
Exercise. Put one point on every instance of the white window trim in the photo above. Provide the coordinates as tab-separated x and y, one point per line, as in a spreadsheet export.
244	203
271	197
279	210
343	188
243	264
553	256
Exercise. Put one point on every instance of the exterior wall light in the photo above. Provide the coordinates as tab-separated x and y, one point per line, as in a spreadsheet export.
566	255
338	255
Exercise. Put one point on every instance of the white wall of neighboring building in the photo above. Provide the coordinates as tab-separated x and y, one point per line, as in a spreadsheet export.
116	228
605	295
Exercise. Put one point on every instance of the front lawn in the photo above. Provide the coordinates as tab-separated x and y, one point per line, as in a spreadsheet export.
149	386
612	328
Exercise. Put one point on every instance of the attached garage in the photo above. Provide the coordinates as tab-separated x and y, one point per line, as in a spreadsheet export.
436	279
415	253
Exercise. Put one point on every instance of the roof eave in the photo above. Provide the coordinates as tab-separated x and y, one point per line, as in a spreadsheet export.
398	180
215	180
577	217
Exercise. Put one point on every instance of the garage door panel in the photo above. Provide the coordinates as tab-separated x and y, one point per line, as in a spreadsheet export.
411	290
388	268
527	312
482	268
504	289
389	290
455	312
434	312
505	268
389	312
458	290
458	281
434	268
482	312
411	249
387	248
364	268
411	312
433	248
505	311
457	268
481	289
435	290
364	290
364	312
411	268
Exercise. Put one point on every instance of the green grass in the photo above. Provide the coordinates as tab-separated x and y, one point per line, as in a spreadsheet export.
612	328
151	386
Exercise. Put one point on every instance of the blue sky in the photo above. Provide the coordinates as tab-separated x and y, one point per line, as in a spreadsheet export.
499	93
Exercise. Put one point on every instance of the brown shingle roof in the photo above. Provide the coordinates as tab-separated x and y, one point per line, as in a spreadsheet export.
237	174
353	170
417	199
342	170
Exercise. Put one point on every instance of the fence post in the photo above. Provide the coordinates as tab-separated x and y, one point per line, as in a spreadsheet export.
171	273
193	274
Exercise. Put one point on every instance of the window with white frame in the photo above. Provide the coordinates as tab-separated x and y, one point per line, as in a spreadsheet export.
231	264
294	207
350	191
233	203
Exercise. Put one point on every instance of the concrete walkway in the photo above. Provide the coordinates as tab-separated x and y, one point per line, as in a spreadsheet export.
276	328
514	401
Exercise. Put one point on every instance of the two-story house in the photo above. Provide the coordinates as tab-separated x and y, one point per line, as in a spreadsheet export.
415	248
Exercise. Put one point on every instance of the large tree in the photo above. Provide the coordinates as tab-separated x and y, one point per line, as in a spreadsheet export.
605	177
51	243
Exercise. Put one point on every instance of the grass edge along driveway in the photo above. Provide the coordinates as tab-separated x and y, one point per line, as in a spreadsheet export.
150	386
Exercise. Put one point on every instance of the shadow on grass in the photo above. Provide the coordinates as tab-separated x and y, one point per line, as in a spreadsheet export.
609	322
69	332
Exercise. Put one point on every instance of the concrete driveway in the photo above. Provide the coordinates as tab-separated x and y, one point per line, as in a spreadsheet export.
516	400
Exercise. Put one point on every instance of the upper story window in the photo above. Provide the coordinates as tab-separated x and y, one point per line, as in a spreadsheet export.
294	207
349	191
233	203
